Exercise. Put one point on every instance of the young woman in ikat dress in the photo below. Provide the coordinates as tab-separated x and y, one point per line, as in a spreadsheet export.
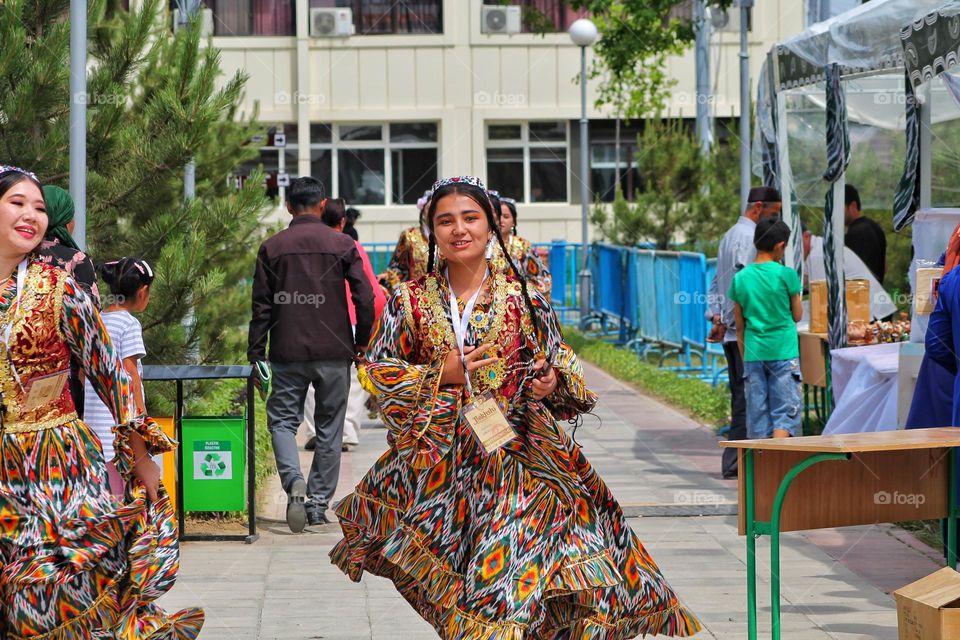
76	563
527	542
409	260
521	251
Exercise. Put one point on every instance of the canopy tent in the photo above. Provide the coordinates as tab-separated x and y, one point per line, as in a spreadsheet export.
864	47
931	44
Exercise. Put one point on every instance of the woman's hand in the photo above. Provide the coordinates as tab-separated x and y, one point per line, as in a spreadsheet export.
545	380
147	472
452	372
144	468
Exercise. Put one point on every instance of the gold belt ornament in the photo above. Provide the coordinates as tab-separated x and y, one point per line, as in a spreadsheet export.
41	425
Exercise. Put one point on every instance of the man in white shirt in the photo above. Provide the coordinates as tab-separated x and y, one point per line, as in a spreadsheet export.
736	251
854	268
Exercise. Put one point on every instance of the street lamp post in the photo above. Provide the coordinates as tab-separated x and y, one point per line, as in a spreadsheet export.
78	118
584	33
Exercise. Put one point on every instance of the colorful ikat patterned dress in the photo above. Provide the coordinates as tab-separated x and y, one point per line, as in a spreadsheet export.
409	260
75	563
527	543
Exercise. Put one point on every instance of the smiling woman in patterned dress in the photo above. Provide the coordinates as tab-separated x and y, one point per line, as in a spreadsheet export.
75	563
526	542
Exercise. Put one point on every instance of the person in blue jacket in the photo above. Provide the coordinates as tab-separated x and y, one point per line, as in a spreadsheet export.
932	404
942	340
943	334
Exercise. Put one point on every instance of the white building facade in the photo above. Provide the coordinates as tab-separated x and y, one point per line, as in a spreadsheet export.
420	91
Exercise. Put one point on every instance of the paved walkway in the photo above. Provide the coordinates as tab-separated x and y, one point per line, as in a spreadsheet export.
661	466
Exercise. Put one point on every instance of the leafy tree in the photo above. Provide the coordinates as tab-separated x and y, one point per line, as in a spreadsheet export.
685	195
153	104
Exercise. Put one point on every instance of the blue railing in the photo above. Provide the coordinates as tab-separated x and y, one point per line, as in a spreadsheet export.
654	302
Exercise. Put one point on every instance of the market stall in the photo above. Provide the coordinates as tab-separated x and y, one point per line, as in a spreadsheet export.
871	83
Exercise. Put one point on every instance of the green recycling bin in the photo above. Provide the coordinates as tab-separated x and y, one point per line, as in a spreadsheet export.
214	463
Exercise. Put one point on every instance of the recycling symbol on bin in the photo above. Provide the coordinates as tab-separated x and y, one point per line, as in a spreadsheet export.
213	465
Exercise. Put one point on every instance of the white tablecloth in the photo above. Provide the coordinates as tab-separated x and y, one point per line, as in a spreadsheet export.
864	389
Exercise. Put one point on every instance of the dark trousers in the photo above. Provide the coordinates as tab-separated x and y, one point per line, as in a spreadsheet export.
331	383
738	405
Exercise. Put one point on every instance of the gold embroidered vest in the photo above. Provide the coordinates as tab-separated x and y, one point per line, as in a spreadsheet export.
37	348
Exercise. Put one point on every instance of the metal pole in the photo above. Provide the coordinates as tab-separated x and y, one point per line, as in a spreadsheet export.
585	277
744	104
190	180
702	23
78	119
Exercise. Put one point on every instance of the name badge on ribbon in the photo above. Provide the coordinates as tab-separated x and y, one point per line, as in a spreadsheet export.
489	425
45	389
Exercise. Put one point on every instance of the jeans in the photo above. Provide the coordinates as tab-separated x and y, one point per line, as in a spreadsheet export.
331	381
738	405
773	397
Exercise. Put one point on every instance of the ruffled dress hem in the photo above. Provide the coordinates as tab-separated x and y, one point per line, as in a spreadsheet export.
377	542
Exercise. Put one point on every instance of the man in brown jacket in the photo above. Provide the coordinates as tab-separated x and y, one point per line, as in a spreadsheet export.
300	303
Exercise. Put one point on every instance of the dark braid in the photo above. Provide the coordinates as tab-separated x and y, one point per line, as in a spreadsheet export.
432	244
484	200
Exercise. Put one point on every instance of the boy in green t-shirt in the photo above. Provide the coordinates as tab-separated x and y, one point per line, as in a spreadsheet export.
766	298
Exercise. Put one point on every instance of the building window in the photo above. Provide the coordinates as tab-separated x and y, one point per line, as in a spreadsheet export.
544	15
528	161
372	17
275	158
726	20
603	165
603	170
386	164
363	163
252	17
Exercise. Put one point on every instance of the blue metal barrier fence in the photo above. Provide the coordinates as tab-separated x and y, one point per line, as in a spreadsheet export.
654	302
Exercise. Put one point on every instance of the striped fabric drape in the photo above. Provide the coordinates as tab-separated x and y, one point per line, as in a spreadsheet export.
766	136
906	200
838	157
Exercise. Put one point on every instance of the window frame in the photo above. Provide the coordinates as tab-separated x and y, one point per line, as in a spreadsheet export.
388	146
337	144
526	146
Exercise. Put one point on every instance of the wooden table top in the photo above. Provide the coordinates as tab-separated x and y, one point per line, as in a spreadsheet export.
857	442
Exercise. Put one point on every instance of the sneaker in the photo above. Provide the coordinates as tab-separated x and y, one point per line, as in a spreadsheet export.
311	444
296	506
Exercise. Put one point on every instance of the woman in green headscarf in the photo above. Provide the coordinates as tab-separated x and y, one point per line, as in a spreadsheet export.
60	249
58	246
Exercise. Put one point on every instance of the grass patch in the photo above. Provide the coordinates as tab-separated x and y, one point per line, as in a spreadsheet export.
699	399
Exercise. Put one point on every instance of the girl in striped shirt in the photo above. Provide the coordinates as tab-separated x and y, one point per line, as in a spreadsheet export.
129	280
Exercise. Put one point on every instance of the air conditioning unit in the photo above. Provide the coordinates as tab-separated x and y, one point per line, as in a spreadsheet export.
726	20
331	23
206	21
495	19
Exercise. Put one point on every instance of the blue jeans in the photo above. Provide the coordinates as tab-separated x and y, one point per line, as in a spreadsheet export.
772	388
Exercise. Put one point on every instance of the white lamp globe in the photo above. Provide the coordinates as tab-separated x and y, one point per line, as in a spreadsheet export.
583	32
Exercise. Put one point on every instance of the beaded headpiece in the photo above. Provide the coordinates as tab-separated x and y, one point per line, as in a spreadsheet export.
473	181
7	168
508	200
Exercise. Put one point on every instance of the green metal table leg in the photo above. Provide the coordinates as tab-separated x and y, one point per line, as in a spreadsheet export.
773	530
952	510
748	500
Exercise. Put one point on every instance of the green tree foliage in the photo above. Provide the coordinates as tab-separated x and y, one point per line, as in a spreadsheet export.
685	196
636	39
155	100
